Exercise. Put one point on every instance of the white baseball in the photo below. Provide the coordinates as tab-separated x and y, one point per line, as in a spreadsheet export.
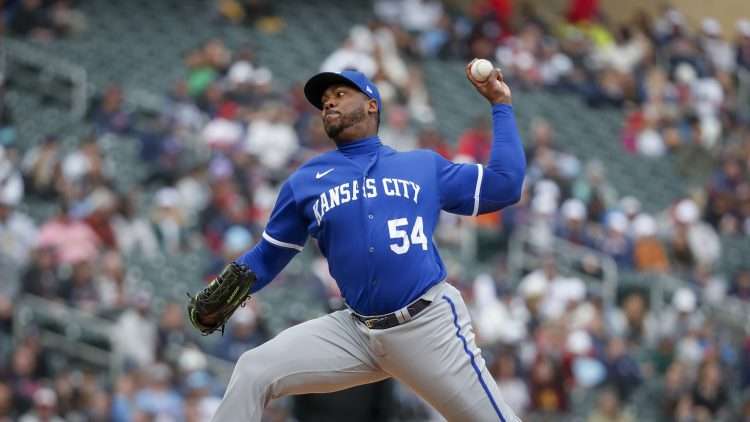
481	69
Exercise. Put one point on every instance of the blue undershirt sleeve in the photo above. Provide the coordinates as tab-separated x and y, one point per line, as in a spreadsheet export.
284	237
266	261
502	182
472	189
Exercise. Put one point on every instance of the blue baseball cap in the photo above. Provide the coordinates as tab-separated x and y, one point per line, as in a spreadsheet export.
317	85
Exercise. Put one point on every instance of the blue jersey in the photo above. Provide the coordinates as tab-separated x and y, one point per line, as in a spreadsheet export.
373	212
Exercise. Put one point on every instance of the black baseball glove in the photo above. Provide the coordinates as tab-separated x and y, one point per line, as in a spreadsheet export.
210	309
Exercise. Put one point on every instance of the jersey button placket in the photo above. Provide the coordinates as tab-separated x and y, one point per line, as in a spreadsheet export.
371	267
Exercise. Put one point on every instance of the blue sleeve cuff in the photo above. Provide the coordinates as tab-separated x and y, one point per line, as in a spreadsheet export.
503	108
266	260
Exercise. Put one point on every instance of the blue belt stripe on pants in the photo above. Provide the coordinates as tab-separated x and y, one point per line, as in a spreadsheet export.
471	357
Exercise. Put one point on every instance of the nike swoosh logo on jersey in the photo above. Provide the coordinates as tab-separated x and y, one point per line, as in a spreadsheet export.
318	174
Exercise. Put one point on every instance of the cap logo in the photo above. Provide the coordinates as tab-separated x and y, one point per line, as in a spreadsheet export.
368	89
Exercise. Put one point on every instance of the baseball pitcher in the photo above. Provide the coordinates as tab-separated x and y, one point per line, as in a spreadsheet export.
373	211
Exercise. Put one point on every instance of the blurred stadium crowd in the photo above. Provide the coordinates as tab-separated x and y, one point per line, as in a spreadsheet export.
555	349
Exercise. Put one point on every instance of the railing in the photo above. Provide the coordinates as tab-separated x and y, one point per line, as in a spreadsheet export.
36	70
730	311
3	66
68	330
82	336
525	254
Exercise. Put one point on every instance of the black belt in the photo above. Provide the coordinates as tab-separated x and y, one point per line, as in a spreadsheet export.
391	320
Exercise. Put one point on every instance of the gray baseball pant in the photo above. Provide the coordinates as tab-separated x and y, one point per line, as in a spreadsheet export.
434	354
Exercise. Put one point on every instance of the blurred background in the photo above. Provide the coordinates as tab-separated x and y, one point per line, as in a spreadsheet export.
143	143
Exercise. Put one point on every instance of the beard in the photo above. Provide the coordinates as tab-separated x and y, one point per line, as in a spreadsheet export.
333	130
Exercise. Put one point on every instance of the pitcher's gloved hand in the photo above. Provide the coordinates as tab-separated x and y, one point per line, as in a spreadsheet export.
210	309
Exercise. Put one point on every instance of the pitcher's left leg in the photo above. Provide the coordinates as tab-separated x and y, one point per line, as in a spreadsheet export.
436	355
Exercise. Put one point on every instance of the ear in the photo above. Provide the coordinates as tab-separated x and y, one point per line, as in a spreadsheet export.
372	106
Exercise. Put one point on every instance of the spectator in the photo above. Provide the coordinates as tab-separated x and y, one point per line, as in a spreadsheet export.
546	275
23	376
546	160
172	334
271	136
609	409
7	123
741	286
41	278
229	209
109	115
681	317
199	396
626	52
649	253
354	53
84	168
113	283
498	316
623	372
724	187
123	398
6	325
420	15
158	398
235	242
30	19
711	286
132	232
169	221
546	387
250	12
573	227
431	138
97	408
194	192
633	322
7	410
692	241
520	55
709	392
135	334
17	231
246	331
102	203
720	53
41	168
474	144
512	387
397	132
79	291
743	70
671	391
205	64
222	133
541	218
45	407
11	180
595	191
66	19
615	241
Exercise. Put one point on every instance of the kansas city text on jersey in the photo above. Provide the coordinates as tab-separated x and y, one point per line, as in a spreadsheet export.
353	190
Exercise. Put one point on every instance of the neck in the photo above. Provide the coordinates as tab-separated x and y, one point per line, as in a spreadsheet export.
359	146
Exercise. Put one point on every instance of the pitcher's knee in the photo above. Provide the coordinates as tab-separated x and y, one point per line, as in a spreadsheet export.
254	371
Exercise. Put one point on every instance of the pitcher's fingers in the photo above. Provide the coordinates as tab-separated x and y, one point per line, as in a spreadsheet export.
468	69
499	74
